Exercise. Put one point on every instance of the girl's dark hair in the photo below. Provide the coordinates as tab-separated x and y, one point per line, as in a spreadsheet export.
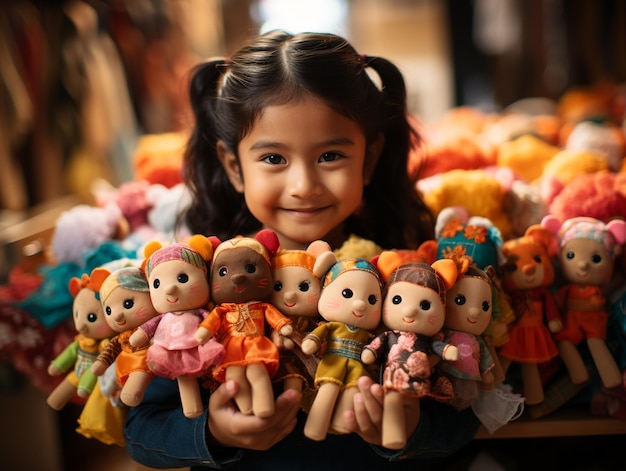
227	96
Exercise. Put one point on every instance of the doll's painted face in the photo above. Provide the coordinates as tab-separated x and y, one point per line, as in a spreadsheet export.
586	262
354	297
296	291
413	308
240	275
89	318
469	305
126	309
176	285
528	266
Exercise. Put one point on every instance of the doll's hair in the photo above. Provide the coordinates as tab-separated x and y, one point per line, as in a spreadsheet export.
175	252
588	228
420	274
131	278
228	96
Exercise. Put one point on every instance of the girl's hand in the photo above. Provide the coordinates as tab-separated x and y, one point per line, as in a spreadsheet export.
230	428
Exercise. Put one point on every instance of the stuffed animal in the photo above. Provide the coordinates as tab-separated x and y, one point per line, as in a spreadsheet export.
93	333
125	297
297	288
180	292
241	284
528	275
587	251
350	303
413	311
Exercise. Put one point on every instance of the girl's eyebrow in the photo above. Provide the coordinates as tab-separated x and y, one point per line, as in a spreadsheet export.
338	141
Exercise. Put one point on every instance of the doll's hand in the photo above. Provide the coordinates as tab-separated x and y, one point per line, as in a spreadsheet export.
555	325
286	330
487	378
54	370
138	338
282	342
202	335
367	356
98	367
450	353
229	427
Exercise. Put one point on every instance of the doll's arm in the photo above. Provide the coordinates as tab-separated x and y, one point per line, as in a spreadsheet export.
552	313
64	361
313	341
107	356
209	325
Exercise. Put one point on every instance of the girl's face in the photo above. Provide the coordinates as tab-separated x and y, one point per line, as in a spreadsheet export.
413	308
469	305
177	286
301	170
586	262
126	309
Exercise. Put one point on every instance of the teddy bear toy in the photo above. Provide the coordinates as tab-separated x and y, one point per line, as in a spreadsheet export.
241	286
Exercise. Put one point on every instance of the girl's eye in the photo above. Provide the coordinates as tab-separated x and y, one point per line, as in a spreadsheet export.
596	258
397	299
570	255
459	299
156	283
329	157
182	277
372	299
304	286
425	305
92	317
107	311
347	293
486	306
128	303
274	159
222	271
278	286
250	267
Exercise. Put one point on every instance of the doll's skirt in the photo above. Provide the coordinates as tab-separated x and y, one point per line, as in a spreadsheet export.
243	350
130	362
101	420
195	362
529	344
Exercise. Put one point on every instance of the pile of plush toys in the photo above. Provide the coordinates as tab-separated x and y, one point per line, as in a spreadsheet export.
518	304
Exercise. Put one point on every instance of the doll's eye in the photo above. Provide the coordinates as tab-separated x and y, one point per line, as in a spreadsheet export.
596	258
278	286
397	299
486	306
537	258
460	299
250	268
511	268
128	303
570	255
107	310
222	271
156	283
347	293
182	277
92	317
425	305
372	299
304	286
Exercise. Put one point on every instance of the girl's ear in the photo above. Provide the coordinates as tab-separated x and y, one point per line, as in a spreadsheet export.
371	158
231	165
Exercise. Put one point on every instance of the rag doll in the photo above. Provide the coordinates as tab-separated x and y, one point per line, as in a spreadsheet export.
125	297
587	251
241	285
180	292
528	274
413	311
350	304
93	333
297	288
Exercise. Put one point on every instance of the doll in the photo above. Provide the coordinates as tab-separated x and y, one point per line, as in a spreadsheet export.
413	311
528	273
297	288
350	304
125	297
587	251
241	284
180	293
93	333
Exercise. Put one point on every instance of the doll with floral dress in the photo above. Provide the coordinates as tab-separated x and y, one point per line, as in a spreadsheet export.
413	311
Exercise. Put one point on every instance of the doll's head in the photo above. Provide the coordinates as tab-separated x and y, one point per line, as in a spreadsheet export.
587	248
125	297
415	293
297	285
529	259
177	274
351	292
241	268
469	302
87	311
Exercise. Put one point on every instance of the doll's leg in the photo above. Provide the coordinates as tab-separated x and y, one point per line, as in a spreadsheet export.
61	395
134	388
262	394
345	402
190	396
243	399
533	387
318	420
394	426
573	362
605	363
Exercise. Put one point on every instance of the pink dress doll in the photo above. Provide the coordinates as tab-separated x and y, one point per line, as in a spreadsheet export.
414	311
180	292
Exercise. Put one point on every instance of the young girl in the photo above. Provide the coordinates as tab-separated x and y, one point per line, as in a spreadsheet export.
292	134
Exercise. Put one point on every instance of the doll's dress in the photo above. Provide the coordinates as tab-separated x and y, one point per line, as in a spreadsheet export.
530	341
466	372
174	350
585	313
81	354
406	367
341	363
240	328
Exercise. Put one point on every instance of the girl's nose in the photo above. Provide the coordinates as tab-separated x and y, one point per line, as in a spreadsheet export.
304	182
